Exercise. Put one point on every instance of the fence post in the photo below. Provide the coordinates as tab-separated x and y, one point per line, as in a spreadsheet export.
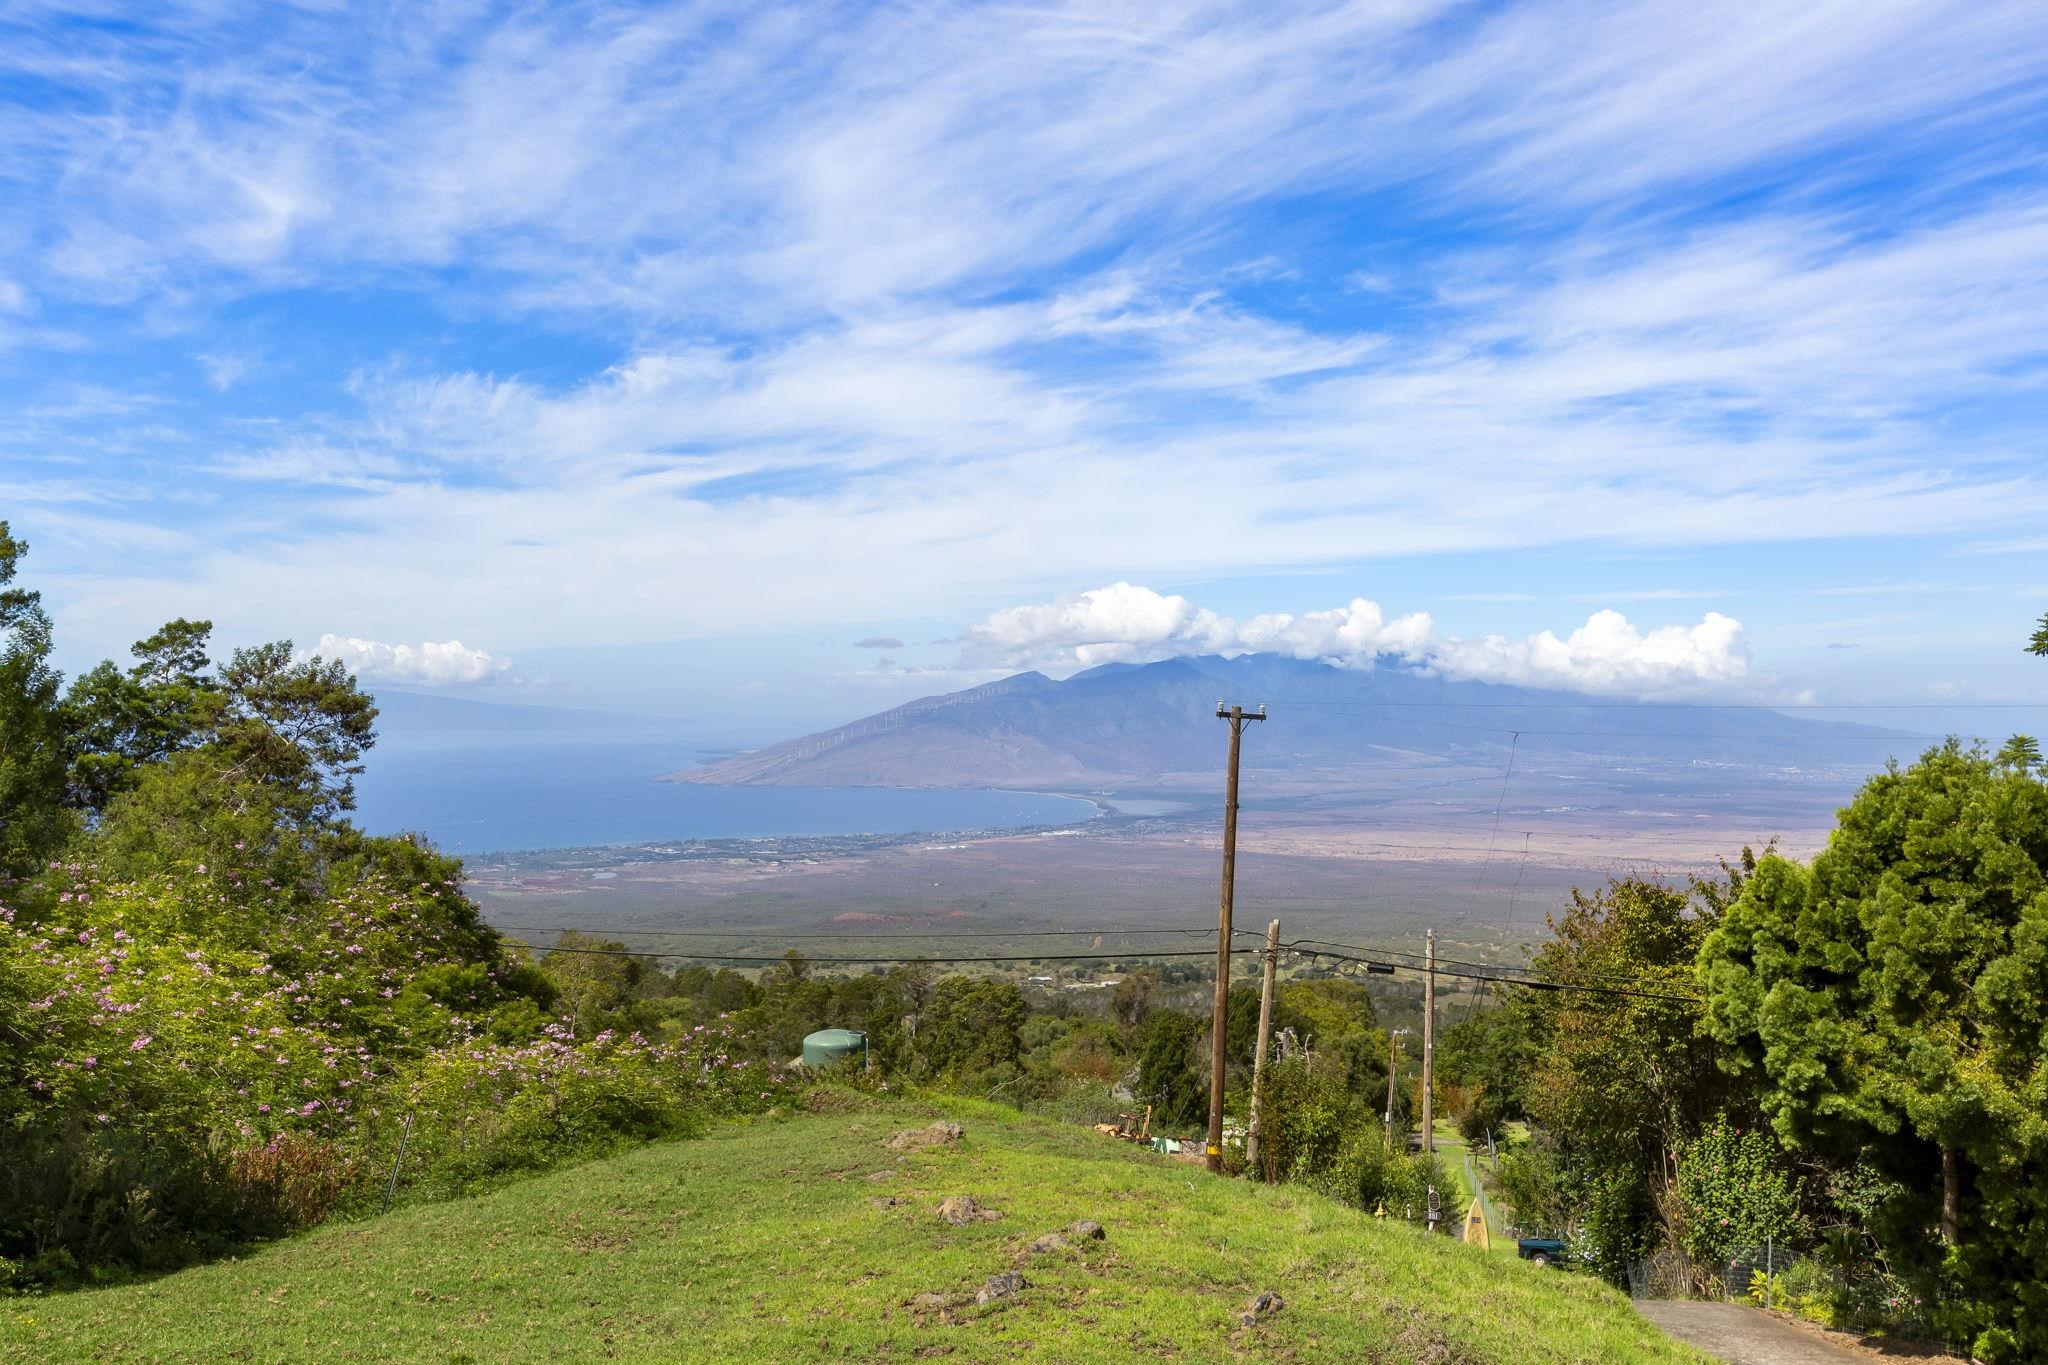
392	1188
1768	1298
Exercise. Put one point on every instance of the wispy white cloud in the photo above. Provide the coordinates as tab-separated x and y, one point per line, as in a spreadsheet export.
944	307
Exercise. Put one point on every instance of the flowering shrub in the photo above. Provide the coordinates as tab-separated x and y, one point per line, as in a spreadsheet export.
489	1108
1733	1193
195	1058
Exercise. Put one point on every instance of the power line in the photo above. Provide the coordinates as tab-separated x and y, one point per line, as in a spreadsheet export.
940	935
1480	970
769	959
1687	705
1539	985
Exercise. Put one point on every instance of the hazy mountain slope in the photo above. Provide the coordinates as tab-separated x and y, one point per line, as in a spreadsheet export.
1126	723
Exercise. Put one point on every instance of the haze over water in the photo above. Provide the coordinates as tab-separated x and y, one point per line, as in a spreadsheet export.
520	787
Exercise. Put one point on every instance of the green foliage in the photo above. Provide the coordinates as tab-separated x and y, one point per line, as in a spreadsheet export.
2021	752
1534	1182
1493	1053
1893	999
1170	1077
2039	643
1621	1080
1322	1012
121	722
33	821
1734	1193
971	1026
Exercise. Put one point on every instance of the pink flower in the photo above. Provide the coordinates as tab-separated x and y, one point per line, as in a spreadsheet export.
142	1040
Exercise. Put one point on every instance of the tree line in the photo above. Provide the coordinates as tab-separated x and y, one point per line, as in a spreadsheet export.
1848	1056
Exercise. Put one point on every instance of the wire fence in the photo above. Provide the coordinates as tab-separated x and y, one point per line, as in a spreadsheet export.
1744	1273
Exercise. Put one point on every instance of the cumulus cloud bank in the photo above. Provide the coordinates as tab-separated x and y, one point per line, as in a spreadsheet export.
1127	623
449	663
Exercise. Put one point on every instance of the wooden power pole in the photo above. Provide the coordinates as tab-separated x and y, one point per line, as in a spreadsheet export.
1429	1042
1251	1135
1393	1069
1237	716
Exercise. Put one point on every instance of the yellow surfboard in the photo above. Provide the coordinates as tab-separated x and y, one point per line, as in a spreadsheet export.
1475	1227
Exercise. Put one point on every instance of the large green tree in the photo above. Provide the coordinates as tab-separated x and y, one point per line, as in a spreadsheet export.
33	820
1623	1076
1893	997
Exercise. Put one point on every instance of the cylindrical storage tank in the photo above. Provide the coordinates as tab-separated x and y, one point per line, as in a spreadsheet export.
826	1046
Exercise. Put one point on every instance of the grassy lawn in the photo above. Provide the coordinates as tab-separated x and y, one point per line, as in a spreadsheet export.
763	1242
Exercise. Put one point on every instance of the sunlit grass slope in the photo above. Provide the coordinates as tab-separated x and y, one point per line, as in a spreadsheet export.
765	1242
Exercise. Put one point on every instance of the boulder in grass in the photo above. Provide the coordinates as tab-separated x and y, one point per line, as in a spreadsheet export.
1087	1230
1002	1287
962	1209
924	1139
1051	1242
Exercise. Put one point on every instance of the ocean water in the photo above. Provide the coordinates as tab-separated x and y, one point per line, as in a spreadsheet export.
508	792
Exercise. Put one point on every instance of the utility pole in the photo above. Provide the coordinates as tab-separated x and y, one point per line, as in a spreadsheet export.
1251	1136
1393	1068
1237	716
1429	1042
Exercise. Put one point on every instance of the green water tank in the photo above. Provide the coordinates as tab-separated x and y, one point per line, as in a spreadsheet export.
826	1046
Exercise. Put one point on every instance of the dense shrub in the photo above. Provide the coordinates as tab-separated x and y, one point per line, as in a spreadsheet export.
198	1057
1734	1193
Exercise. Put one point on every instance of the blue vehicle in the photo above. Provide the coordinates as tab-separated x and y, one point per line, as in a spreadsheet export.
1541	1250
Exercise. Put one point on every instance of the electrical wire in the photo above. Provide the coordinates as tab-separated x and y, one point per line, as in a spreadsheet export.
940	935
770	959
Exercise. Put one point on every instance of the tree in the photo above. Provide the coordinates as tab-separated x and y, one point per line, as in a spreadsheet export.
972	1026
299	728
33	821
1893	1000
1623	1079
596	978
2022	752
1494	1053
120	722
1168	1078
2039	644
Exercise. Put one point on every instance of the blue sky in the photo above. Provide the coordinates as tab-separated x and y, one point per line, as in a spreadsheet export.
658	355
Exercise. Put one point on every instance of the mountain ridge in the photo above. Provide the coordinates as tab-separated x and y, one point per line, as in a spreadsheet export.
1122	723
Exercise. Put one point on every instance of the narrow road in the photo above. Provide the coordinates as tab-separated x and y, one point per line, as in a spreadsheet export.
1742	1335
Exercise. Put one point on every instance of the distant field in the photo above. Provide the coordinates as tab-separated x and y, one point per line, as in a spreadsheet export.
772	1242
1315	881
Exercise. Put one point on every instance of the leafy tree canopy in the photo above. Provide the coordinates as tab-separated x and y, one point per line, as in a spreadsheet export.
33	822
1893	998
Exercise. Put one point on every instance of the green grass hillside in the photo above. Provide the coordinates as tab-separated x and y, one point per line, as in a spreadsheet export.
773	1241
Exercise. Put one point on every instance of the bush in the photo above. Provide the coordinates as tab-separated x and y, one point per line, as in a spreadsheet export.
1733	1192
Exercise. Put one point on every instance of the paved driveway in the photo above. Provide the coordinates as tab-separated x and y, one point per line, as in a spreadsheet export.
1742	1335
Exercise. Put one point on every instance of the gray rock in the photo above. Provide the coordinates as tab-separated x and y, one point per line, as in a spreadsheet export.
1262	1305
1087	1230
1052	1241
930	1302
1002	1287
923	1139
962	1209
881	1175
